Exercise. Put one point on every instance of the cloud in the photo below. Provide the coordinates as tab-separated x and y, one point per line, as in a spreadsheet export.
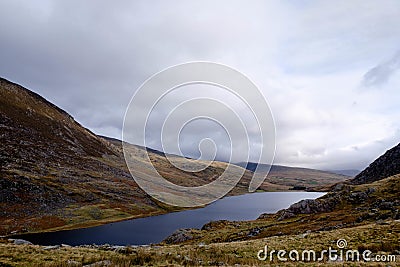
381	73
89	57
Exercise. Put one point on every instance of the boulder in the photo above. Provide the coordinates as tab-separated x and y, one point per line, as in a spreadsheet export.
21	242
180	235
51	247
308	206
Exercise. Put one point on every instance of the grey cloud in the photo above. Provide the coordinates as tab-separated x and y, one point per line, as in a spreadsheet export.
381	73
88	57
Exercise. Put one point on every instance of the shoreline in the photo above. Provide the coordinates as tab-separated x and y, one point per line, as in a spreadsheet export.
92	224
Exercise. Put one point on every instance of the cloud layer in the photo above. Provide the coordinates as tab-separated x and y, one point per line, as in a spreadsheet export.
328	69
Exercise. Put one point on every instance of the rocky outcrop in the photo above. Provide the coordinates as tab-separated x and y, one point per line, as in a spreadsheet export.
20	241
308	206
214	225
386	165
179	236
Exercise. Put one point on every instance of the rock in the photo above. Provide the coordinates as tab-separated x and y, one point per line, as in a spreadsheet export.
21	242
308	206
73	263
180	235
382	222
65	246
384	216
99	264
286	215
264	216
358	197
396	215
338	187
386	205
370	190
214	225
51	247
119	249
254	232
303	235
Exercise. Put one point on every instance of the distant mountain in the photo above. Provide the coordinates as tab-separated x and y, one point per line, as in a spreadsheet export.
386	165
295	177
350	172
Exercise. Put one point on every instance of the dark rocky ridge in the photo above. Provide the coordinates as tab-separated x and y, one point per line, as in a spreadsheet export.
386	165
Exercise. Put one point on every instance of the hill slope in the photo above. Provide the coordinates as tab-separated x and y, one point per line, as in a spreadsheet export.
56	173
386	165
295	177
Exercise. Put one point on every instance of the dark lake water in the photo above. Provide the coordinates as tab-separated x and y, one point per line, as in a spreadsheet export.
154	229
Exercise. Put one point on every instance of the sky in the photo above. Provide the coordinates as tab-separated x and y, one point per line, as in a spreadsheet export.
330	70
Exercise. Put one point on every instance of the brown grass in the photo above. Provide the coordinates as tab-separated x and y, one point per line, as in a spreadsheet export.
382	239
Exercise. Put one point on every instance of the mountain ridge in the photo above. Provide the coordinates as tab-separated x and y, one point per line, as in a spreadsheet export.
384	166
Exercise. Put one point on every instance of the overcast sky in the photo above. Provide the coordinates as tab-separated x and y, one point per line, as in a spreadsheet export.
329	69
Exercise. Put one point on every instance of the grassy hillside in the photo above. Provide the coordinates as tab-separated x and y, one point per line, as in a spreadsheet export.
56	173
379	238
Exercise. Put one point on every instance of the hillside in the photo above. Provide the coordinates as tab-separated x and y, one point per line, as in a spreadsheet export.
348	172
386	165
295	177
57	174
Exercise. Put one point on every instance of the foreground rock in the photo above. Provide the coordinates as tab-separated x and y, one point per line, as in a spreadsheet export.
20	242
179	236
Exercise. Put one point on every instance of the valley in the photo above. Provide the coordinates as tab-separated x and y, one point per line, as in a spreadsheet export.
56	174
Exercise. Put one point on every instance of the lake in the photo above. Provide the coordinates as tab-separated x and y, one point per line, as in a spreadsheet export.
156	228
